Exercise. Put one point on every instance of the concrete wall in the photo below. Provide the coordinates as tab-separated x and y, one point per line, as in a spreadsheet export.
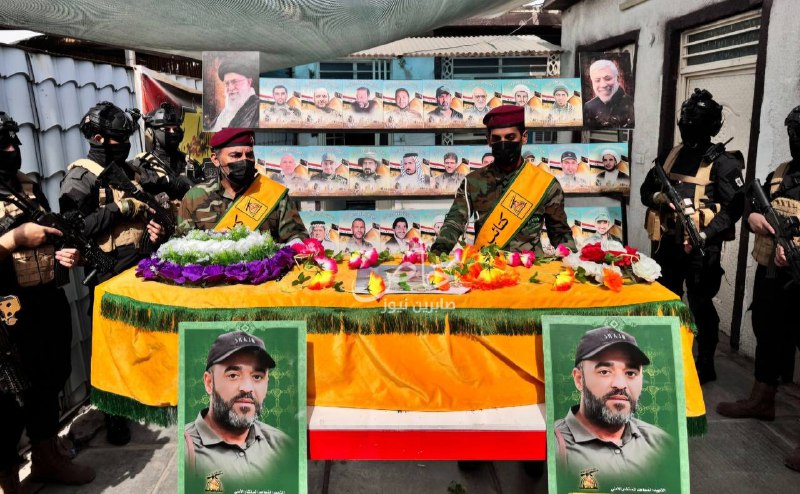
592	21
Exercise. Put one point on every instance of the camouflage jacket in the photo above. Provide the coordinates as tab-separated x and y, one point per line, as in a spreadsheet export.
485	187
205	203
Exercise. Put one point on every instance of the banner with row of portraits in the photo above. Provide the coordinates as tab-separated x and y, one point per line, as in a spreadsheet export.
235	96
393	229
433	170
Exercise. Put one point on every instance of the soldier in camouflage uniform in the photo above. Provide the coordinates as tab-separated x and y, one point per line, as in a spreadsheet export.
204	205
42	335
328	179
482	189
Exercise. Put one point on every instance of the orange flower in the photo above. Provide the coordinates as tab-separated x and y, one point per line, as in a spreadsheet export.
500	261
564	280
612	280
376	286
439	279
470	252
475	269
323	279
491	278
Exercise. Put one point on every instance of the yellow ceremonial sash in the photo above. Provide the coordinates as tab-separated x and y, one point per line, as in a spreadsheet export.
518	203
252	208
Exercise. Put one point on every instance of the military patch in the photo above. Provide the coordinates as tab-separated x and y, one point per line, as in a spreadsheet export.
213	483
739	182
588	480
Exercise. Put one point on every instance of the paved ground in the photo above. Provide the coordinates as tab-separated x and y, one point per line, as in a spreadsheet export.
736	456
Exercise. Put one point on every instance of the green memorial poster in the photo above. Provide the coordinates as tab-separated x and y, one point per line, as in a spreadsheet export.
616	419
242	407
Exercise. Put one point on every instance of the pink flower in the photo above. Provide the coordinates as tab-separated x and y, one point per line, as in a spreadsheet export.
355	261
310	247
327	264
458	254
562	251
513	259
527	258
370	257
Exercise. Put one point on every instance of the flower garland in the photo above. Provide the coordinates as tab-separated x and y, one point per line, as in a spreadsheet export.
205	258
607	268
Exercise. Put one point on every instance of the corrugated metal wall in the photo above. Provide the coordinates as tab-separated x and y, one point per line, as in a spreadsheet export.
47	96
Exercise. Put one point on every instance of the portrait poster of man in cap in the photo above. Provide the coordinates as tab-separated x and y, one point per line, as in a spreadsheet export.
443	104
616	416
242	407
230	91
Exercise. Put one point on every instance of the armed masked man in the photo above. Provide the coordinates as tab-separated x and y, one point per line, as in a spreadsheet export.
118	222
711	180
773	289
163	168
37	346
240	195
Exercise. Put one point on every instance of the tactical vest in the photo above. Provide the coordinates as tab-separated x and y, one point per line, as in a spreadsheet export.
764	246
656	222
124	232
32	267
157	166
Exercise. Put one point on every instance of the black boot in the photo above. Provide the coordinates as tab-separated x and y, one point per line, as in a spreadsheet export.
118	432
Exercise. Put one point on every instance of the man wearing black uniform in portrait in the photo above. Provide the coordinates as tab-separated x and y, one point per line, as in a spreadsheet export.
711	179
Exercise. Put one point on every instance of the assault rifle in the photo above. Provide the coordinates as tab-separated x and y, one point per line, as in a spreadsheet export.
684	209
785	229
71	228
115	177
12	379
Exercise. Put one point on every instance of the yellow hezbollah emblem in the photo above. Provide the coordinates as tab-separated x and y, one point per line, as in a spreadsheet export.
588	481
518	205
213	483
253	208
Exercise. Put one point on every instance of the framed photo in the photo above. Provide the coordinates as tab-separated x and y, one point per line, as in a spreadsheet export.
362	104
230	90
616	416
608	88
281	104
242	407
402	104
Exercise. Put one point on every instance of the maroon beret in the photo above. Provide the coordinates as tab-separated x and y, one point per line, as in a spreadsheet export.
232	137
505	116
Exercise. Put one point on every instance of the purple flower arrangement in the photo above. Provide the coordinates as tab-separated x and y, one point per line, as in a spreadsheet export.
251	272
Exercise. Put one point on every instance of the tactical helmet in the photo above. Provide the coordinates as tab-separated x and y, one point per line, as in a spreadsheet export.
155	123
8	129
163	116
701	111
108	120
793	118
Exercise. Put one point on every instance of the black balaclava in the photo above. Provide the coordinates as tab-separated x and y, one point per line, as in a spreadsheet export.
700	120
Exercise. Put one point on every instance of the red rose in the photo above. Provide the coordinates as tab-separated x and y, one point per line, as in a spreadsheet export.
593	252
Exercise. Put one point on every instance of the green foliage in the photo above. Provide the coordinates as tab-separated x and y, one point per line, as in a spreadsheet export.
534	278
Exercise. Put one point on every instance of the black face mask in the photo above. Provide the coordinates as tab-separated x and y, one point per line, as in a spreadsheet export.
10	163
694	135
116	153
241	173
794	142
506	153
